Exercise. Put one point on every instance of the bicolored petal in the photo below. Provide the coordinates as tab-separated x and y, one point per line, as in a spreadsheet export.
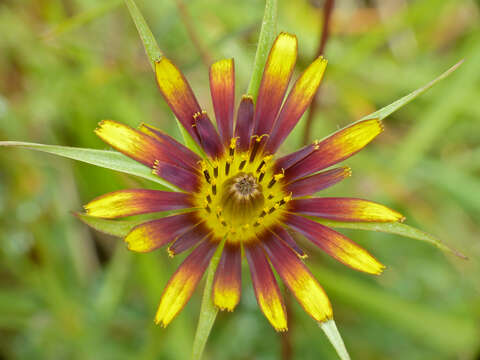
182	284
222	88
345	209
244	126
207	134
298	279
289	240
335	244
130	142
136	201
297	102
311	184
182	155
178	176
189	239
291	159
227	284
154	234
266	288
335	148
276	76
177	93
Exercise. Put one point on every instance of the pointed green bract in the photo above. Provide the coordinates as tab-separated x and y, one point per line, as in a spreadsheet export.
108	159
118	228
330	329
394	228
265	41
389	109
149	43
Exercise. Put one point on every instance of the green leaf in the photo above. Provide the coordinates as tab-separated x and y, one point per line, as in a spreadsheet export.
118	228
394	228
208	312
389	109
265	41
108	159
149	43
330	329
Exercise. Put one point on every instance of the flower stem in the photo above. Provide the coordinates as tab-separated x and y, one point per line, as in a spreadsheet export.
208	312
265	41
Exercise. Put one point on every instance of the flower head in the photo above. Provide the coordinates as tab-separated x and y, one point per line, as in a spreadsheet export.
239	193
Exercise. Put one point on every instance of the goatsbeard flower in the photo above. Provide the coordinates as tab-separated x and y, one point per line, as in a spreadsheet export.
239	192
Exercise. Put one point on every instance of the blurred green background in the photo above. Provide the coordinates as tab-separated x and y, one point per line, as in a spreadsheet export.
67	292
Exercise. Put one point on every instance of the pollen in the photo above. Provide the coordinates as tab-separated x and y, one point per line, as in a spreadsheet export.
244	191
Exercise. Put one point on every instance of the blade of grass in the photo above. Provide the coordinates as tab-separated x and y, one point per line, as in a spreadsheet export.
391	108
330	329
107	159
265	41
394	228
149	43
118	228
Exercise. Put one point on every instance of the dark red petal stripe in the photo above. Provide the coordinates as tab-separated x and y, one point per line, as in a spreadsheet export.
244	127
182	284
291	159
345	209
297	102
222	89
298	279
276	76
153	234
209	138
335	148
181	178
177	93
335	244
314	183
136	201
289	240
266	288
188	239
227	284
183	155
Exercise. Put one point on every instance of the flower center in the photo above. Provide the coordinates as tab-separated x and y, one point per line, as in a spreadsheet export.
242	198
240	195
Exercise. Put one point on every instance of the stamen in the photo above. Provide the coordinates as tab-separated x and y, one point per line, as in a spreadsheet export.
215	170
207	175
256	145
270	197
227	167
214	187
233	145
242	164
209	198
261	165
260	178
276	177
